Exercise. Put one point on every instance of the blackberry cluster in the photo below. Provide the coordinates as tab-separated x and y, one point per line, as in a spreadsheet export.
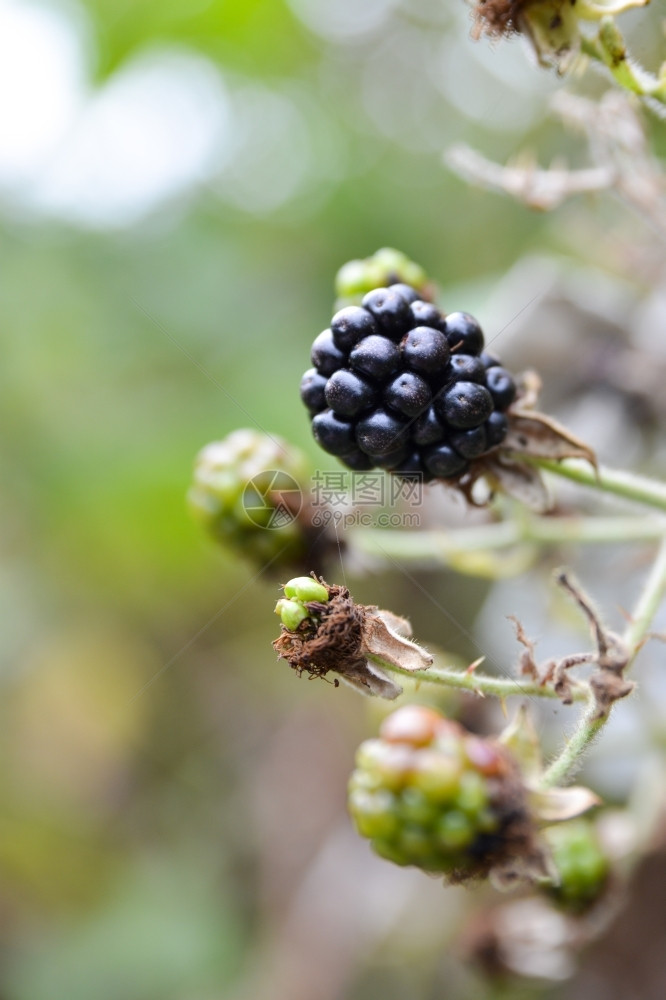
430	794
399	386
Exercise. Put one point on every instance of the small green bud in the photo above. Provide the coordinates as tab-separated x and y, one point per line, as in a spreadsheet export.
383	268
304	588
291	612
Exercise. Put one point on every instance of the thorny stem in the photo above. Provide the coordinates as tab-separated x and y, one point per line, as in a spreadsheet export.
482	684
640	489
448	547
634	636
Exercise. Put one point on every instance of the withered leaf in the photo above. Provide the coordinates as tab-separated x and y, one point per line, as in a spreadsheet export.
384	644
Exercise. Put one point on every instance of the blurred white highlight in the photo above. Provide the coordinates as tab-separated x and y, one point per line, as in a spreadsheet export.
342	20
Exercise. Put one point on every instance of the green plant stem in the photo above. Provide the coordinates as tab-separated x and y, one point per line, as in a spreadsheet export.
482	684
609	49
592	721
647	605
640	489
426	547
571	754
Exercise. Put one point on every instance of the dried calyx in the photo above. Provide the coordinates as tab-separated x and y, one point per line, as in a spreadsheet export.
333	634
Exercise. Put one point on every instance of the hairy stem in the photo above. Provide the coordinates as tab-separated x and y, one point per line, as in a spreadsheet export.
482	684
609	48
647	605
592	721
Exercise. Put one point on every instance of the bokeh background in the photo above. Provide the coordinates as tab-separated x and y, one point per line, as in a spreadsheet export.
179	182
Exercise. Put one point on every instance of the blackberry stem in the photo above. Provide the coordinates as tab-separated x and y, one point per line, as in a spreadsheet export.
640	489
608	48
483	684
592	722
449	547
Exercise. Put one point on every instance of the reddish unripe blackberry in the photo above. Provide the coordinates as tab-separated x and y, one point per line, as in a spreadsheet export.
428	793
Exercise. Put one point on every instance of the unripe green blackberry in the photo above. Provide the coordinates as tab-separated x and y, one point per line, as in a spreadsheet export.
246	492
430	794
582	866
385	267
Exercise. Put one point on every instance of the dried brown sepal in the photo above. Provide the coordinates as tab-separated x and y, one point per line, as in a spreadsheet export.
352	640
527	661
555	672
612	657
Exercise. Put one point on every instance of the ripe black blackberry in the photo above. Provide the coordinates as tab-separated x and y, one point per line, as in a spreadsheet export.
398	385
